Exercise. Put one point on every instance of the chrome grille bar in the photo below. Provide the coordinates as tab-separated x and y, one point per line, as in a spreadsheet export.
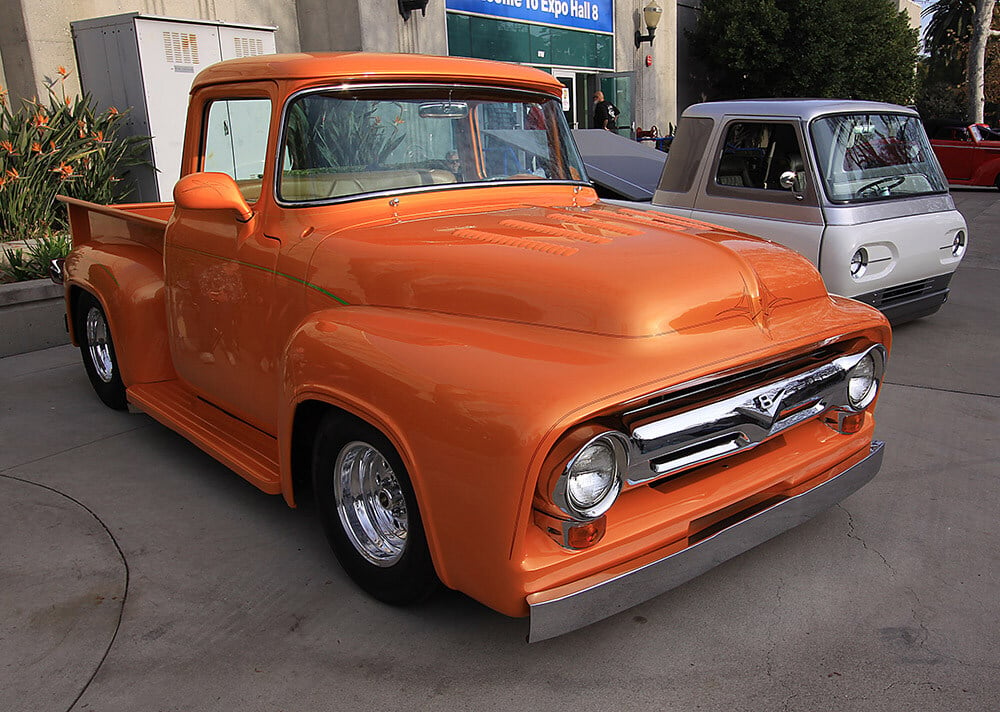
736	423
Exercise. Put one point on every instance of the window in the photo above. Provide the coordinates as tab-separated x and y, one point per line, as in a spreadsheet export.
755	155
865	157
340	144
236	141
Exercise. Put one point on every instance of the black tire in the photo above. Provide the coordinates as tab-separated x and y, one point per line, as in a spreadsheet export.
393	569
98	349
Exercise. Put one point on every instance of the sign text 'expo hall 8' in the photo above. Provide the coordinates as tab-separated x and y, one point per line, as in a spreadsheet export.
592	15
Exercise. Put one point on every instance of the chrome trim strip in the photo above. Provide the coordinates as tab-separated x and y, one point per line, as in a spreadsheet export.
554	614
742	421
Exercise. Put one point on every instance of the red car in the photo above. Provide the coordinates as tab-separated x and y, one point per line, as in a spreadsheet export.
969	155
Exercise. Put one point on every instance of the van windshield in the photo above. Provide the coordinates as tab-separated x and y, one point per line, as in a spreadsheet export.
343	143
867	157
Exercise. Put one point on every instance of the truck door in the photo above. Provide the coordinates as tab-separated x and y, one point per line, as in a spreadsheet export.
744	186
220	272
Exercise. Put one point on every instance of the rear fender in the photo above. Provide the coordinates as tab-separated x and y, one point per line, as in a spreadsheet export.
987	173
127	280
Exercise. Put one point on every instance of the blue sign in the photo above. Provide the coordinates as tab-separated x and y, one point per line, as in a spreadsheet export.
590	15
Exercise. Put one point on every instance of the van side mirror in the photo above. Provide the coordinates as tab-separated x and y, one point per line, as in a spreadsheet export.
792	180
212	191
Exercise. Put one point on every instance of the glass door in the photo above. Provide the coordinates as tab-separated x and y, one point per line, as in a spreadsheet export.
568	80
617	88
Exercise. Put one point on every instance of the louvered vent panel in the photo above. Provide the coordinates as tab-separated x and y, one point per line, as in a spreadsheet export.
180	48
248	46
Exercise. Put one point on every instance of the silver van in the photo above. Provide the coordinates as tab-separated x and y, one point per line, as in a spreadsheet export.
852	185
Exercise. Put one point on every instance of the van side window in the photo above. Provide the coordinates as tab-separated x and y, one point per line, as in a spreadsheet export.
755	155
235	141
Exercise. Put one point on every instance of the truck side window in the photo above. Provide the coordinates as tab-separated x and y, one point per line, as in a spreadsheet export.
755	155
236	141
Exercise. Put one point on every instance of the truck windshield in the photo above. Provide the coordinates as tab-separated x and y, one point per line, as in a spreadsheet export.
866	157
339	144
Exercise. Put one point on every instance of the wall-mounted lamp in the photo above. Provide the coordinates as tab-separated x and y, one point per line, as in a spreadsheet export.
651	16
408	6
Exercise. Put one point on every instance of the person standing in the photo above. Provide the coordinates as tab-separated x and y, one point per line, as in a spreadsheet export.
605	113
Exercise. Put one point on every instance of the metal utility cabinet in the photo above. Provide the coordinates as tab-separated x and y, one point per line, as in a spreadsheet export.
148	63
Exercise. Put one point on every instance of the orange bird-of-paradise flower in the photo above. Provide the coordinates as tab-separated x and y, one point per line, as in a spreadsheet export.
64	170
62	71
36	147
40	120
113	110
12	174
7	146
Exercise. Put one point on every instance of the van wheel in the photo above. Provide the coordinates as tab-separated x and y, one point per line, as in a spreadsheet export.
98	349
369	512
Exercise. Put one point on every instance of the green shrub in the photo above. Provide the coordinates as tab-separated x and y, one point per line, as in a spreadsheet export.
32	262
64	147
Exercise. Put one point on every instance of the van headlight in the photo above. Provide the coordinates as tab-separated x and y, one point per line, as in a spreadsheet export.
592	480
864	378
859	263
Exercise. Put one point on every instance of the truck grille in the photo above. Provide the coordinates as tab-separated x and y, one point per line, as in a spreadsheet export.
670	440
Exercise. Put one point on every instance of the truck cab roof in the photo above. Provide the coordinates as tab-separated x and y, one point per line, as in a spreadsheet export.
357	67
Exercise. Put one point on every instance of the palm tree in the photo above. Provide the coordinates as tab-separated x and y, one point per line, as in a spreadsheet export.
947	35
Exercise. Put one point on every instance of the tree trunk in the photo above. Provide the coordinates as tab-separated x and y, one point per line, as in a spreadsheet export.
981	32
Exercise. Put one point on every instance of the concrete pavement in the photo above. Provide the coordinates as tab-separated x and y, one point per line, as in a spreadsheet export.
138	574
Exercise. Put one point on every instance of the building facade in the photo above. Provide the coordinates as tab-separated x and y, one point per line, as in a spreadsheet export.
587	44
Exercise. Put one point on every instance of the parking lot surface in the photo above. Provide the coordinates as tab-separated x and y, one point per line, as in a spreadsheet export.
136	573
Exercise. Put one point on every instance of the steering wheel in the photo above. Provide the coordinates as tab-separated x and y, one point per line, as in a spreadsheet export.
887	183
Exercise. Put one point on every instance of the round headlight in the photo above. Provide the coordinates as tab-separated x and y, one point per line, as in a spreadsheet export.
958	244
859	263
862	381
593	478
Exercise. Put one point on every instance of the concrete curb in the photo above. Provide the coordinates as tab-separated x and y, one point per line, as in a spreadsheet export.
31	317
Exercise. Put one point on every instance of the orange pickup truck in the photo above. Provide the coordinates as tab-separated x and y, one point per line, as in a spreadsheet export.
388	279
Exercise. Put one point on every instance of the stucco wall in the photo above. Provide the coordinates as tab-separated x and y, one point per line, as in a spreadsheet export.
654	86
371	26
35	38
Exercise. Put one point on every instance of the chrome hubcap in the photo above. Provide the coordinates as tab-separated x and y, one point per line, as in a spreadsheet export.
98	345
370	503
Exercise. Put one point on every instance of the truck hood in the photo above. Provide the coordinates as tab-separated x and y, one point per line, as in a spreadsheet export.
599	269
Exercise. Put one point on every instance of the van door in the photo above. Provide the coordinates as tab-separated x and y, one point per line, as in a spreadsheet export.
761	182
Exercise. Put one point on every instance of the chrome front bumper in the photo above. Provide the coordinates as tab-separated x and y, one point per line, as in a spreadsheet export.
559	610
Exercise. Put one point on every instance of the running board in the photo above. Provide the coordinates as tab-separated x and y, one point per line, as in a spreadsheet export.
249	452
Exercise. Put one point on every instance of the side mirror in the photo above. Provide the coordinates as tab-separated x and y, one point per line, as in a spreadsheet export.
792	180
212	191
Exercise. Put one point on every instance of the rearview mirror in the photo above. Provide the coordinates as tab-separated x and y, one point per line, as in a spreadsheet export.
444	110
212	191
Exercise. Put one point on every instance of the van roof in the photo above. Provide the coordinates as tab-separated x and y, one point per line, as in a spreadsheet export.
806	109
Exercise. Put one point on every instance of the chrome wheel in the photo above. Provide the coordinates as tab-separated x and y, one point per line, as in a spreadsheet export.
98	344
370	503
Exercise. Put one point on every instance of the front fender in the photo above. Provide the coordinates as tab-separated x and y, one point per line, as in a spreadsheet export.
444	391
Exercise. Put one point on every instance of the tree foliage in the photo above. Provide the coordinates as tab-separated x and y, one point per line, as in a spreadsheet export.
943	81
850	49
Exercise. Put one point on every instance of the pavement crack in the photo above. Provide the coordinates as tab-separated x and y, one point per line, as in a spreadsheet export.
852	533
942	390
125	587
18	465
